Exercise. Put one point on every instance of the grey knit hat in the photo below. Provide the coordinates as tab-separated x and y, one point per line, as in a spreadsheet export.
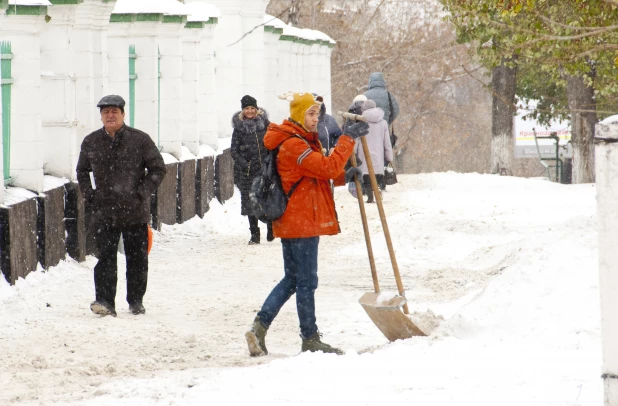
369	104
356	106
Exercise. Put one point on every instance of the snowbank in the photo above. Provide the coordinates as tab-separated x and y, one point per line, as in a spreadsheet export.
509	264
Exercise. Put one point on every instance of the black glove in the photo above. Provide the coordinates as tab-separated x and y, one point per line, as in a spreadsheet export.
347	124
349	174
357	130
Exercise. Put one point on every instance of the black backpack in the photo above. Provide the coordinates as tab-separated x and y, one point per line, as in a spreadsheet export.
267	199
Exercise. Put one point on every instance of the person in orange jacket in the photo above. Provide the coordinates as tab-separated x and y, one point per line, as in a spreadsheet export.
310	213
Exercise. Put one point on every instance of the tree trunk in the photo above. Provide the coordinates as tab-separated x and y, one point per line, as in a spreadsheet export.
581	97
503	82
293	12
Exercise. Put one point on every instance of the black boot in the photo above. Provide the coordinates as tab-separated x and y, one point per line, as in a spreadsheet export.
255	230
368	188
270	236
314	344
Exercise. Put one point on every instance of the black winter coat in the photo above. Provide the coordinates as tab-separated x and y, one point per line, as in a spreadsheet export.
248	150
127	169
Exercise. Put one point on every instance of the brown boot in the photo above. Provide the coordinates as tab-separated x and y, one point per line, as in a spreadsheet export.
256	338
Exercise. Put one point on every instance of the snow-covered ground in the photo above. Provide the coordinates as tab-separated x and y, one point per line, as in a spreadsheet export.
510	263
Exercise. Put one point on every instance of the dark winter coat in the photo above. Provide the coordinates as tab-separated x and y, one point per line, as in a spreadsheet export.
378	93
248	151
127	169
328	130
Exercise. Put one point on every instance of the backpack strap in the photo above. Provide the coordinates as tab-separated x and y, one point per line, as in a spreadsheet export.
390	106
295	185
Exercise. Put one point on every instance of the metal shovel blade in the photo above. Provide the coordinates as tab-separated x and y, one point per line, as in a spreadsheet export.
387	316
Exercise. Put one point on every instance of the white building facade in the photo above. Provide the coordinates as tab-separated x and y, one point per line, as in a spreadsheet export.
181	67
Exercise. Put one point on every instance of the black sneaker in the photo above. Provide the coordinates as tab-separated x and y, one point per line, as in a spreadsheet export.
137	308
102	308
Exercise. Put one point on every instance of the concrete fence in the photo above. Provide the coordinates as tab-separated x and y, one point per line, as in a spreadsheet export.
41	229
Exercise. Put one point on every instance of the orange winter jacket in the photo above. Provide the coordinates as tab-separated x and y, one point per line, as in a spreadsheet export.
311	209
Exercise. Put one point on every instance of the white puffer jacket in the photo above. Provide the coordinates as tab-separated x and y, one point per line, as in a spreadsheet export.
378	141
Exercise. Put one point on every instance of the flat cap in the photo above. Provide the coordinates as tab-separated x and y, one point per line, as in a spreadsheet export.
111	100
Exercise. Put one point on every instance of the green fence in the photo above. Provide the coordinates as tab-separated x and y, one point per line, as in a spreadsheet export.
5	89
132	78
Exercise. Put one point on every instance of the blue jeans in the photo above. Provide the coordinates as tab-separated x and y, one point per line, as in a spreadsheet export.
300	260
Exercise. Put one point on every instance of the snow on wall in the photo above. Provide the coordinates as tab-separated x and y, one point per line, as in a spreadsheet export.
170	7
52	182
202	11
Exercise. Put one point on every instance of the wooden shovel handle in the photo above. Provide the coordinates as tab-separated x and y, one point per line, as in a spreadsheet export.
361	206
387	235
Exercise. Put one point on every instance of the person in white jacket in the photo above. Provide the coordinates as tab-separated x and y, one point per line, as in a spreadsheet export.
379	143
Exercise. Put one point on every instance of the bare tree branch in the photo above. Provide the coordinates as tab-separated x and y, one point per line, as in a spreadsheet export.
260	25
362	60
566	26
599	48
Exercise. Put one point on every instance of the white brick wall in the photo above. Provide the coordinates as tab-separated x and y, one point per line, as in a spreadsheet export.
63	67
170	44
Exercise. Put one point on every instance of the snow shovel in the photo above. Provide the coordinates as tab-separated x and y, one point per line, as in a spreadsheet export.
385	314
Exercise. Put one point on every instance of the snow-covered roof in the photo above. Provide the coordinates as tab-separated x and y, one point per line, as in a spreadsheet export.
202	11
610	119
323	37
305	33
607	128
169	7
29	3
292	31
309	34
271	21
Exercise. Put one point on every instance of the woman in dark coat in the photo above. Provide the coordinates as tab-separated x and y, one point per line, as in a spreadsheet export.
248	151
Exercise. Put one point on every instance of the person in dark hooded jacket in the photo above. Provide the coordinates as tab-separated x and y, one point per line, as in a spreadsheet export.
379	94
328	130
127	168
248	151
385	101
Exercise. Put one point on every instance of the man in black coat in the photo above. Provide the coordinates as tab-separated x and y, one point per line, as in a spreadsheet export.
127	168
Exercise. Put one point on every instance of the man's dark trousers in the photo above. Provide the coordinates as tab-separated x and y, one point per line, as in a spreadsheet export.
135	239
